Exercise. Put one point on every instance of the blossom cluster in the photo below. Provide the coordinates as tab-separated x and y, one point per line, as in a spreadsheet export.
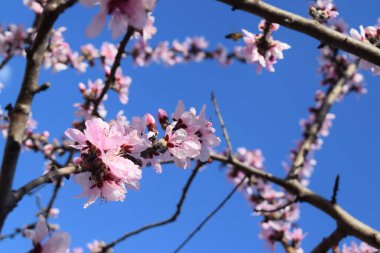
59	54
262	49
113	154
355	248
323	10
371	35
13	40
278	208
192	49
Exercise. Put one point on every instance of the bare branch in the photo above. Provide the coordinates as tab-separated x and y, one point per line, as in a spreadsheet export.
46	178
20	113
209	216
172	218
309	27
330	241
335	190
222	125
5	60
346	221
320	115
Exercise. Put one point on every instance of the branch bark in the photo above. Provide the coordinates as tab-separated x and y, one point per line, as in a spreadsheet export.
309	27
20	113
346	221
329	242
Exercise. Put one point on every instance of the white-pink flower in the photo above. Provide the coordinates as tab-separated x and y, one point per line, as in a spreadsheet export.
132	13
57	243
261	49
107	157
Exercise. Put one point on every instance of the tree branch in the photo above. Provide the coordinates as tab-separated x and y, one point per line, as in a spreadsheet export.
20	113
346	221
330	241
222	125
320	115
111	77
47	178
309	27
173	218
209	216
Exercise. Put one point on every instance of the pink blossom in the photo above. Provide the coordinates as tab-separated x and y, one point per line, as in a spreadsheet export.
57	243
96	246
370	34
105	155
121	85
108	53
13	40
262	50
36	6
132	13
149	29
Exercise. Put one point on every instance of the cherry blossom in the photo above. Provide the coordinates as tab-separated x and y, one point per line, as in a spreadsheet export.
370	34
58	243
323	10
132	13
104	155
261	49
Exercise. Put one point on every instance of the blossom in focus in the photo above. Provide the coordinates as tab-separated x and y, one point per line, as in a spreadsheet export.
58	243
132	13
105	153
261	49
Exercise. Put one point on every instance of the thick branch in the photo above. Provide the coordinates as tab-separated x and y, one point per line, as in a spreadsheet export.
330	241
308	26
20	113
346	221
173	218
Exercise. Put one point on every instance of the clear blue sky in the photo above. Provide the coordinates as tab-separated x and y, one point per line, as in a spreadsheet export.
261	111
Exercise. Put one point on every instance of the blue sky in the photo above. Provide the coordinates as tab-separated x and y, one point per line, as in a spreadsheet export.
260	111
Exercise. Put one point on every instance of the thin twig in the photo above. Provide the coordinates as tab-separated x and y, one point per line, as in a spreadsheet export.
172	218
335	190
309	27
111	77
5	60
331	241
223	126
209	216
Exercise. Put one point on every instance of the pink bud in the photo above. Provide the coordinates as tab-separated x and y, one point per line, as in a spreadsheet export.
163	118
151	122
